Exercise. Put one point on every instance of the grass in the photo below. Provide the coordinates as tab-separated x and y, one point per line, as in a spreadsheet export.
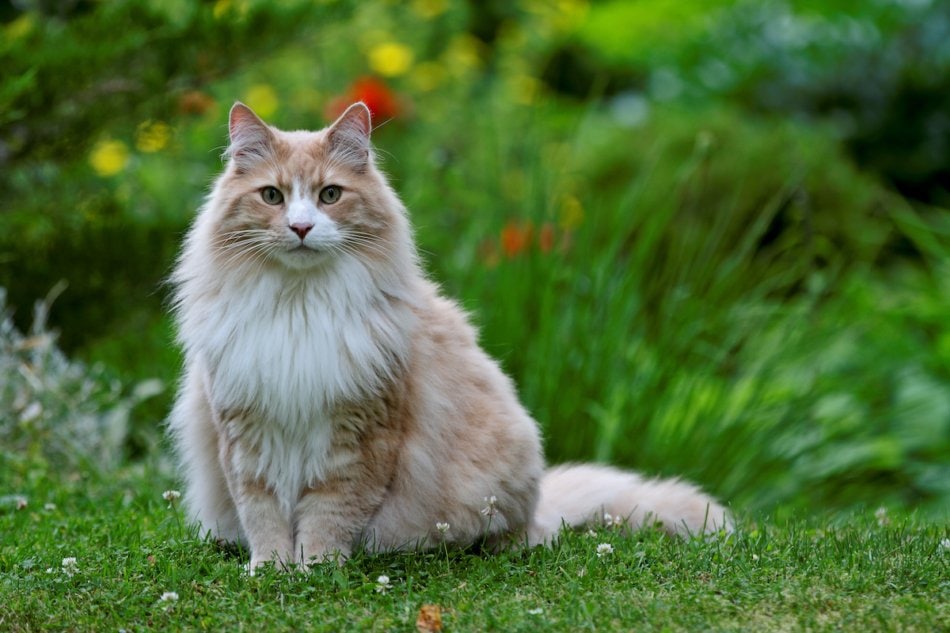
131	548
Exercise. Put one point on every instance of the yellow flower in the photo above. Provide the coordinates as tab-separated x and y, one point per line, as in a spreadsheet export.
152	136
390	59
109	157
524	88
463	54
262	99
222	8
427	76
572	213
428	9
21	27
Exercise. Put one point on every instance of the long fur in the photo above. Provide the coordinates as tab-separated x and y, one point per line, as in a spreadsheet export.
333	398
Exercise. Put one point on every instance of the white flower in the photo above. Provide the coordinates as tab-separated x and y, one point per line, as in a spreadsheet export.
49	507
31	412
442	527
604	549
591	533
21	503
755	557
881	516
945	544
490	510
171	496
70	566
169	596
382	584
535	611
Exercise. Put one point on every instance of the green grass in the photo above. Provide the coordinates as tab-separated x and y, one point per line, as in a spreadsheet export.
131	548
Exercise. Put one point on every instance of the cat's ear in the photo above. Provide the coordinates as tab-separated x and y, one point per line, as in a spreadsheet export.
348	137
251	138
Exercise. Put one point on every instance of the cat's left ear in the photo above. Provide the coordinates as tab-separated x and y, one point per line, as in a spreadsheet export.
348	137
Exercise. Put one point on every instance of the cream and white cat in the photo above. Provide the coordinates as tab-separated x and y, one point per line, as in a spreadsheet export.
333	399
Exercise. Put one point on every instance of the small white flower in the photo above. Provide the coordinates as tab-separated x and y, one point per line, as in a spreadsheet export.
442	527
490	510
591	533
755	557
169	596
382	584
171	496
49	507
535	611
50	570
70	566
604	549
21	503
608	518
945	544
31	412
881	515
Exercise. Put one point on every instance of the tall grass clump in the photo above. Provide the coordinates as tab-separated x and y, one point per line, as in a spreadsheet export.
702	295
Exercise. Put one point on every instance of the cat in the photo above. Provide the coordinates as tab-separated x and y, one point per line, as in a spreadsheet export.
333	399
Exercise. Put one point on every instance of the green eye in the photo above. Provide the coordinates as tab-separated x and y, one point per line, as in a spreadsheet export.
272	195
330	194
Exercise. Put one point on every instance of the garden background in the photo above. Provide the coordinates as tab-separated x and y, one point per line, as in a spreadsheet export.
706	238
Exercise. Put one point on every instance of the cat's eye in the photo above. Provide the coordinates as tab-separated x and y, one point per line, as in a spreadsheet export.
272	195
330	194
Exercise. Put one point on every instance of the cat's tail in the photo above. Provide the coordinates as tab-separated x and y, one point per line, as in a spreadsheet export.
586	495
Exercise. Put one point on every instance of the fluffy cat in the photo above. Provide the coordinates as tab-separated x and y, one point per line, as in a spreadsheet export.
332	398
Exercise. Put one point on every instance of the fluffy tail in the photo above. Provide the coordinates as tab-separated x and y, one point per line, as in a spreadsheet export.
587	495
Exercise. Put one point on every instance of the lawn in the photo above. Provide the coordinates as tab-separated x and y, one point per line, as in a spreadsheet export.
869	572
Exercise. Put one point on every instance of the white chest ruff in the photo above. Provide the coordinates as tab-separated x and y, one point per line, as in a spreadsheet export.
287	353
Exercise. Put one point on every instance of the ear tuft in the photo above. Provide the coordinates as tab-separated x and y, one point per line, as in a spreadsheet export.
349	136
250	136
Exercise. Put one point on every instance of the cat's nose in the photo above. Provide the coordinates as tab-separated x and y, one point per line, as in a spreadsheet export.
301	228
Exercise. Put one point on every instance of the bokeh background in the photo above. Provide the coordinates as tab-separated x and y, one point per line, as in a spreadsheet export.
706	238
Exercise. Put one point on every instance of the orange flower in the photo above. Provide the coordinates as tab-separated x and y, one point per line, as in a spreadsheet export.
546	238
195	102
515	238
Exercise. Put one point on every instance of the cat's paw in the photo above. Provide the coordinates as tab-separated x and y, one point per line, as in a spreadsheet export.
314	558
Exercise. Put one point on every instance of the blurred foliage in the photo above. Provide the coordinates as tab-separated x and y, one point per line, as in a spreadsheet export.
674	221
878	71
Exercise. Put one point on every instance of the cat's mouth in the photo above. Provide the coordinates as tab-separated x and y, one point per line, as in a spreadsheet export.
303	256
301	247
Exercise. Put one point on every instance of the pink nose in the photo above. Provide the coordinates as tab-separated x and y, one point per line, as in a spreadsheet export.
301	229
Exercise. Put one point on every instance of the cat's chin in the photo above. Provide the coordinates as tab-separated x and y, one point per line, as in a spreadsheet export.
303	258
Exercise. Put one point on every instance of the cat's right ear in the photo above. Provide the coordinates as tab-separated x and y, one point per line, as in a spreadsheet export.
250	137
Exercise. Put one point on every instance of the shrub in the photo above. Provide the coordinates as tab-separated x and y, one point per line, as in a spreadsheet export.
55	410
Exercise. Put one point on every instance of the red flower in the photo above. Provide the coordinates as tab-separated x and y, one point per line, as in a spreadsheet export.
383	103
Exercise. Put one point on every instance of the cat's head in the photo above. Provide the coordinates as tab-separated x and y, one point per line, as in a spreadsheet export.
302	200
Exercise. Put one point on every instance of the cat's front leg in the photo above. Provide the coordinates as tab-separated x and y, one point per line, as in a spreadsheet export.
266	527
330	518
325	526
